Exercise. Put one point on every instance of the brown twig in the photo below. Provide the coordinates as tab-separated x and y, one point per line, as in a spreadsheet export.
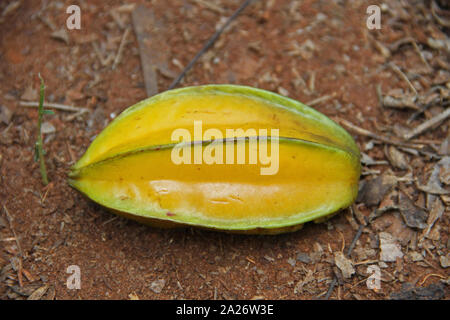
120	50
431	275
425	62
400	73
11	226
367	133
71	154
379	94
321	99
441	21
366	262
57	106
409	40
427	124
208	44
103	61
211	6
48	187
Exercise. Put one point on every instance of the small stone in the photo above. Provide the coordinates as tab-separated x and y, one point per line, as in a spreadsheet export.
415	256
369	145
5	115
390	249
157	285
344	264
303	257
292	262
283	91
445	261
47	128
321	17
61	35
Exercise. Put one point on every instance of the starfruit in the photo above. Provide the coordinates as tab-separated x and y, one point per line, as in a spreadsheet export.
220	178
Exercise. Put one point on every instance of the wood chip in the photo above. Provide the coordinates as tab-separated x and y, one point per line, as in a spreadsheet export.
407	102
5	115
396	158
153	47
413	216
344	264
38	293
427	124
390	249
374	190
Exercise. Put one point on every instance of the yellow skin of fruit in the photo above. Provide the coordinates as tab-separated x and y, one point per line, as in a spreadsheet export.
128	167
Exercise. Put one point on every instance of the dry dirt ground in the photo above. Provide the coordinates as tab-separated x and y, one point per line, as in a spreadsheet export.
379	84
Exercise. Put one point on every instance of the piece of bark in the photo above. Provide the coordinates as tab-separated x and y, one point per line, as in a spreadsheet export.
374	190
153	47
413	216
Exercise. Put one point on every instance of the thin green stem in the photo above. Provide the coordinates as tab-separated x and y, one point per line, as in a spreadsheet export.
39	144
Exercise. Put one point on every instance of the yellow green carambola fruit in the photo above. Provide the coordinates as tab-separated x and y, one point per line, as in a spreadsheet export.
129	167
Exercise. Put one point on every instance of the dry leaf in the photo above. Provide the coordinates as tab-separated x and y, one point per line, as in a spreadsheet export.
38	293
5	115
396	158
344	264
374	190
413	216
390	249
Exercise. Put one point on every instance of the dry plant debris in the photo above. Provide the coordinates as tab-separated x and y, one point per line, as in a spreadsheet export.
389	87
